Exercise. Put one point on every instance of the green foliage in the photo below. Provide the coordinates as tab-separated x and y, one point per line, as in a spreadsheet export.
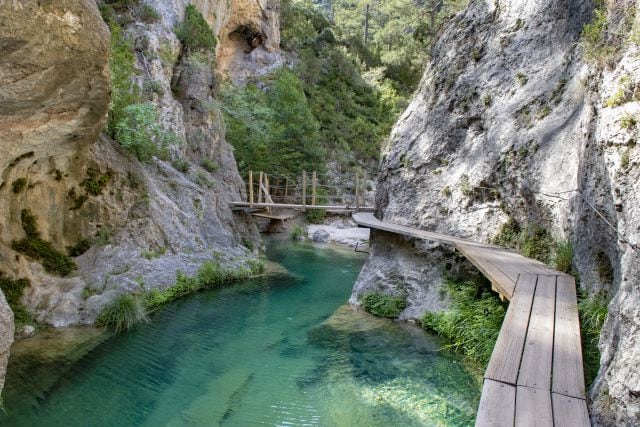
95	182
383	305
625	158
139	131
209	165
121	65
604	268
248	243
210	275
103	236
124	313
593	312
12	290
152	86
274	130
79	248
532	241
202	180
297	232
152	254
628	121
473	321
315	216
564	256
623	94
148	14
194	32
39	249
522	78
181	165
18	185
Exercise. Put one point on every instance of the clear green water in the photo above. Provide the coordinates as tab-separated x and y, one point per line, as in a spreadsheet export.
276	351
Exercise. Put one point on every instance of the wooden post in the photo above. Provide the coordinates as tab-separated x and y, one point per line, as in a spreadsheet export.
364	189
286	188
304	190
357	192
313	184
251	188
260	189
267	191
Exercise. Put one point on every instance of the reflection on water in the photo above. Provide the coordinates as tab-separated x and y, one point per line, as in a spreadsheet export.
279	350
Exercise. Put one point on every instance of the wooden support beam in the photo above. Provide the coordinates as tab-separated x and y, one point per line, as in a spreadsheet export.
304	190
267	193
364	189
250	188
260	188
313	184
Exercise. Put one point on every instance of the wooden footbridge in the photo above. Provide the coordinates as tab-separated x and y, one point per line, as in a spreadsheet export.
535	376
280	197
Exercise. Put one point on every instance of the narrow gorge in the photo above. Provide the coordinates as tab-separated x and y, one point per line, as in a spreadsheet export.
132	136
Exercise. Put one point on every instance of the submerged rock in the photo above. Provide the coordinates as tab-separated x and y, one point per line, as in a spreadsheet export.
25	331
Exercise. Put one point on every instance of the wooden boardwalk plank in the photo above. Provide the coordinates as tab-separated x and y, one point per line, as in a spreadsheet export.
507	353
497	405
568	376
569	411
504	283
533	408
535	369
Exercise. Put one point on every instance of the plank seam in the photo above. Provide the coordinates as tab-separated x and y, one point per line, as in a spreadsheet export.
535	287
553	345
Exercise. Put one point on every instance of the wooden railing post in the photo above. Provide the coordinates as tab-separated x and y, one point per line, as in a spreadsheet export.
260	189
251	188
267	190
357	191
313	196
364	189
304	190
286	188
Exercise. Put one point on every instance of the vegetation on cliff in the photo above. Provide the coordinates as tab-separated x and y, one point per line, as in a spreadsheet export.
472	323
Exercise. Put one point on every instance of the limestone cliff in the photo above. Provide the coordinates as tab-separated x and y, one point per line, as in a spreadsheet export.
145	222
508	122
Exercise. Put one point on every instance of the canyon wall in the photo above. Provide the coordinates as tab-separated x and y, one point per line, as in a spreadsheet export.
144	222
511	124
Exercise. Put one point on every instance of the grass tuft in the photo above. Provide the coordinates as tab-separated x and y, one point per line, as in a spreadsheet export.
123	313
593	312
564	256
472	323
12	290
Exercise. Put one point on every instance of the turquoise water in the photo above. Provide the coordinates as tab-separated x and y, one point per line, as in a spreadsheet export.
276	351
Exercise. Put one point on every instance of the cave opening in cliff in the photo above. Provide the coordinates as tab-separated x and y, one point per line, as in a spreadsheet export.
248	36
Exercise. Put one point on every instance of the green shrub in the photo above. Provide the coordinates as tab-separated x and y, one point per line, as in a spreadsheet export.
18	185
564	256
532	241
594	39
194	32
139	131
103	236
593	312
315	216
473	321
12	290
297	232
121	65
383	305
522	78
79	248
151	87
628	121
41	250
203	180
248	243
124	313
148	14
209	165
95	182
181	165
152	254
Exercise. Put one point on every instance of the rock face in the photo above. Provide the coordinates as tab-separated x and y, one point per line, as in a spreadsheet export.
145	222
508	122
6	336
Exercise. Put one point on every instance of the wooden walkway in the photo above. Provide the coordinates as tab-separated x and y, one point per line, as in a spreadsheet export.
534	377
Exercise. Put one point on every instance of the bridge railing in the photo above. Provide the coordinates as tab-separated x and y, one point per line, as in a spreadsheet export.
309	189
